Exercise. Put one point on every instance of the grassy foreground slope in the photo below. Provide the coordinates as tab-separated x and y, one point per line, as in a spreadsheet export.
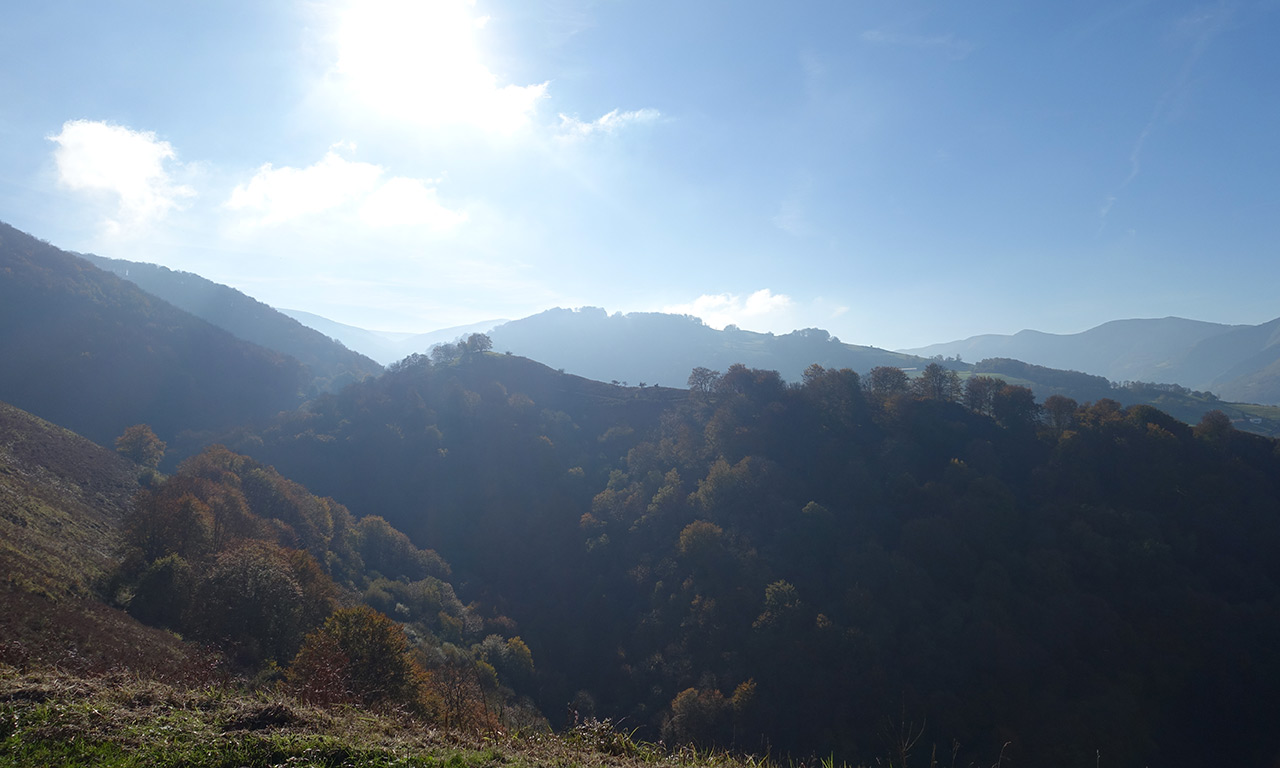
53	718
62	500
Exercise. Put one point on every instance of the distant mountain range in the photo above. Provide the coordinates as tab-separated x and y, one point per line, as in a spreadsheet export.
662	349
640	347
1237	362
387	347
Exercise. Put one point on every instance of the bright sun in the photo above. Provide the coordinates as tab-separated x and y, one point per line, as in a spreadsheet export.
419	60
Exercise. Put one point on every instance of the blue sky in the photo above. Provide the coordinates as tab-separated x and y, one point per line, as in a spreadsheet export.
899	173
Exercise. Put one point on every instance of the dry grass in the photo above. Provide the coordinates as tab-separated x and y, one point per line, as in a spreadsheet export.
51	717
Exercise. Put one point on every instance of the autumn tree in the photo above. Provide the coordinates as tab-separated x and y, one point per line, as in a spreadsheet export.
937	383
1060	411
163	594
837	393
1214	427
252	603
887	380
443	354
699	716
477	343
1015	407
364	652
163	523
756	384
979	392
141	446
460	684
390	553
703	380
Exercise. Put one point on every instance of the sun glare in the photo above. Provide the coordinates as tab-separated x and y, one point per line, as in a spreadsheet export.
421	61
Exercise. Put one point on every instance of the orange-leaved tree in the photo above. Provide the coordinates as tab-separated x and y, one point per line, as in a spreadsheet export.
140	445
359	655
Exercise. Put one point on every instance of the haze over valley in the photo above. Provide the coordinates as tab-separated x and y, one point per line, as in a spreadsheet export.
494	384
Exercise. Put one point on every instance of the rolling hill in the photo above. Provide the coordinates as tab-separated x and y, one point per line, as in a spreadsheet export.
1236	362
649	347
656	348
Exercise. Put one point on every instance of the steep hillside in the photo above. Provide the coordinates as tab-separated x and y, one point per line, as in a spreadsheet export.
662	349
332	366
95	353
62	503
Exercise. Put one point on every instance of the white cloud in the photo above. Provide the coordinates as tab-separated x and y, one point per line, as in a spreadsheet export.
607	123
277	195
421	61
408	202
336	184
762	309
94	156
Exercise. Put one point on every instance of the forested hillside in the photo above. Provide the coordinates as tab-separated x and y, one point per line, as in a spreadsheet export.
230	553
331	366
1176	400
807	568
94	353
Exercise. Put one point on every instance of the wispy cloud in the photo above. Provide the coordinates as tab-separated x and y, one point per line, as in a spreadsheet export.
947	44
608	123
334	183
1199	29
133	167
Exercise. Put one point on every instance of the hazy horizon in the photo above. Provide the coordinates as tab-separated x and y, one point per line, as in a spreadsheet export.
897	174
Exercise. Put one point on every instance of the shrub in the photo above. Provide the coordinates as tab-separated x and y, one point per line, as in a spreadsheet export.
366	653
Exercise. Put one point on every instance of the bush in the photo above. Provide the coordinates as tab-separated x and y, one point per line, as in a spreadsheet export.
364	652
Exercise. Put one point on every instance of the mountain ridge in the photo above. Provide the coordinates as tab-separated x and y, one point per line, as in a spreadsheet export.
95	353
1231	360
331	364
662	348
